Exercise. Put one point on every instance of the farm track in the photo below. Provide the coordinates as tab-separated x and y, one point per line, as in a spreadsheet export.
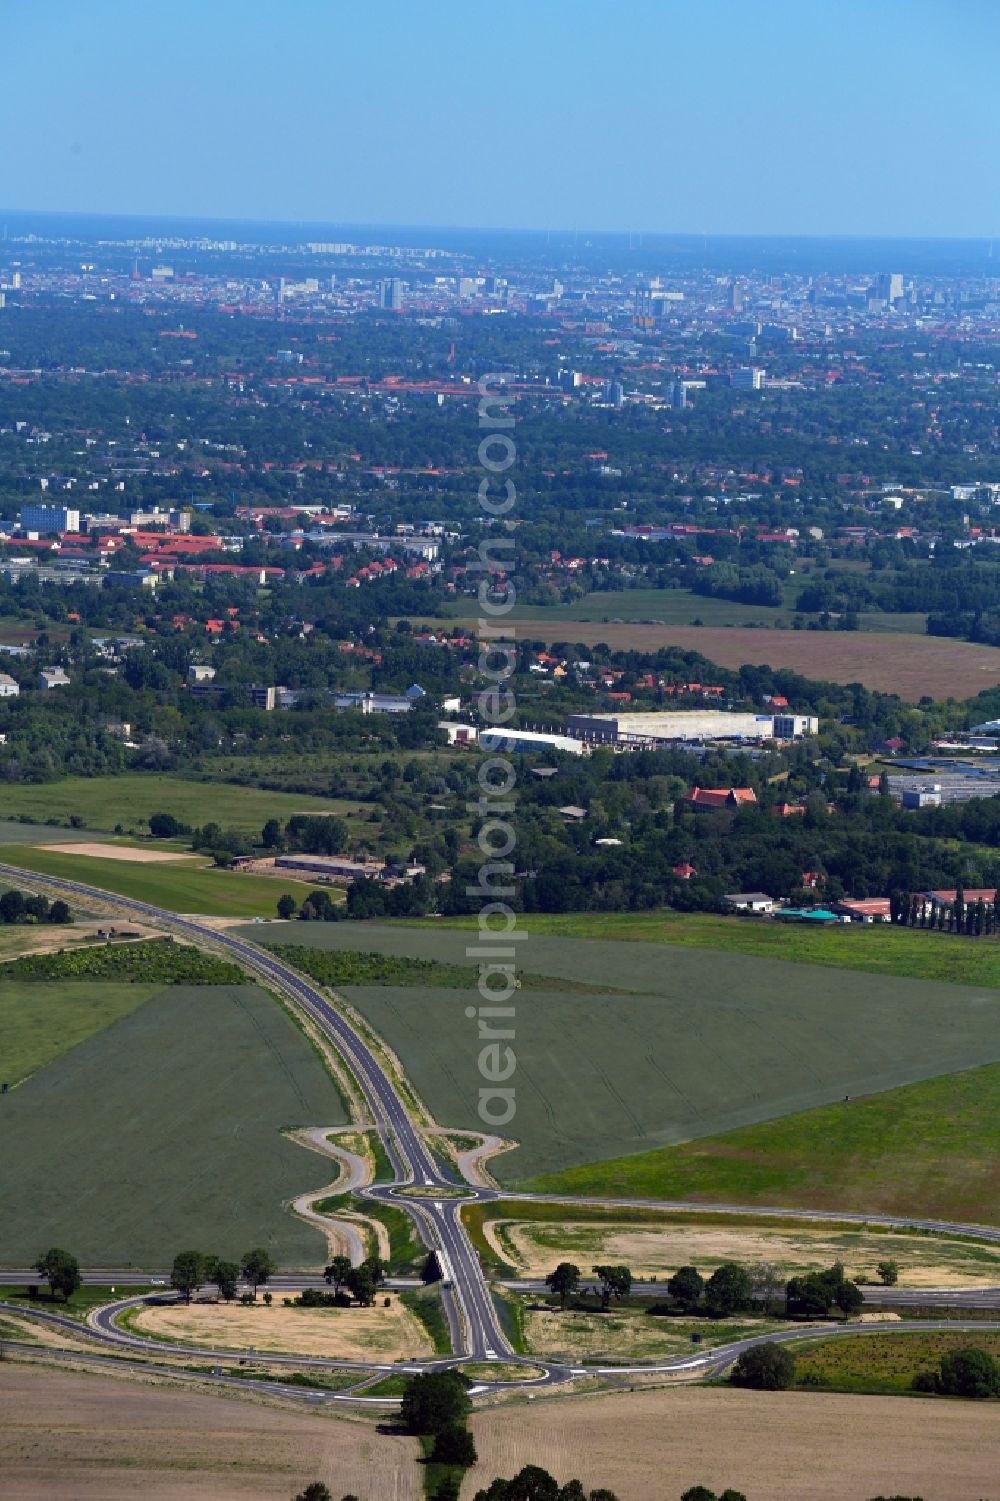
475	1326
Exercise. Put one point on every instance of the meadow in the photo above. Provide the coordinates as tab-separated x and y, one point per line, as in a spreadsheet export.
165	1130
129	800
883	1362
177	888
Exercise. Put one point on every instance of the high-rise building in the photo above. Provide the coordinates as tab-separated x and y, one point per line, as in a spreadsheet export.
678	395
49	519
889	287
735	298
390	293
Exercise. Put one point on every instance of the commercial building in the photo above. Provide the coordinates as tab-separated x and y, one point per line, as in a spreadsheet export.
335	868
747	378
750	901
49	519
666	726
528	740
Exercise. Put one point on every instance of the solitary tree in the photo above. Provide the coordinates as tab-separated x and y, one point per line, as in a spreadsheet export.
316	1491
564	1281
258	1266
888	1273
61	1270
766	1368
616	1282
969	1373
338	1272
187	1273
686	1287
287	906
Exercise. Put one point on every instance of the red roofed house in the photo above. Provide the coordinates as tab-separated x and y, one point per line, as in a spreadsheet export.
685	871
711	799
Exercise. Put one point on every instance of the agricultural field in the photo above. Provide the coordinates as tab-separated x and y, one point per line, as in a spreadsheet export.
704	1038
166	1444
879	950
581	1336
178	887
883	1362
885	661
682	607
105	802
601	1075
534	1237
773	1446
930	1149
40	1022
177	1112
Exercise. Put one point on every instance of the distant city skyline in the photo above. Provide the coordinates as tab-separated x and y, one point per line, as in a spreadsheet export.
718	118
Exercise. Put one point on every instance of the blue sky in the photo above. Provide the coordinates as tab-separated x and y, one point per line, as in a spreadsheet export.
722	116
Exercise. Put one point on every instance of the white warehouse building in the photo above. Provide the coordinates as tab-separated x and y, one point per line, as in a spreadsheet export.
666	726
528	740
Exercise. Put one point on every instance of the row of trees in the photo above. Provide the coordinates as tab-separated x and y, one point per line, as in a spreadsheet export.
976	919
730	1289
18	907
193	1269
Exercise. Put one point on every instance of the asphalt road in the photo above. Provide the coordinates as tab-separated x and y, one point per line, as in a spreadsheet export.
475	1324
476	1329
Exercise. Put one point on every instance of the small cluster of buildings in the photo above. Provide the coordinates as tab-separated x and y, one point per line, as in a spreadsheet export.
871	909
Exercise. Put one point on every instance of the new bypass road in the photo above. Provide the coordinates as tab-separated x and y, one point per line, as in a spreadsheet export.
424	1191
475	1325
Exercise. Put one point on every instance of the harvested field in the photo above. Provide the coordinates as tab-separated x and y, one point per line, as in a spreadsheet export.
924	1261
131	852
352	1333
774	1446
908	665
97	1438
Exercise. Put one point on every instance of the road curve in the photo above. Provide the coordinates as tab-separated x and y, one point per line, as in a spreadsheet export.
476	1330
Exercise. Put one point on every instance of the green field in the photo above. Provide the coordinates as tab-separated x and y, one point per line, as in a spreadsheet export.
683	607
177	888
930	1149
164	1131
706	1041
104	802
883	1362
878	950
38	1021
